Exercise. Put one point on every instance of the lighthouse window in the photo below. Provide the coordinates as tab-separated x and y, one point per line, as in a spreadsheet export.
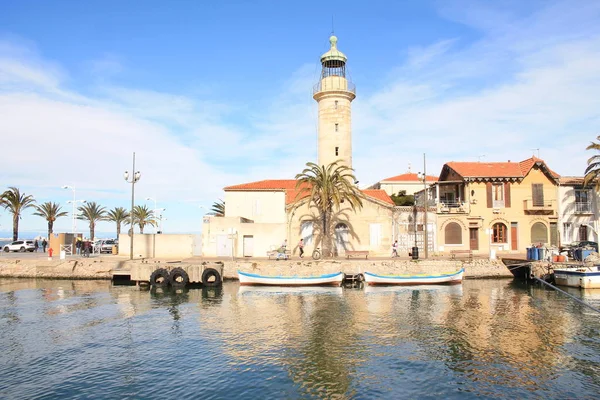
337	151
336	127
336	104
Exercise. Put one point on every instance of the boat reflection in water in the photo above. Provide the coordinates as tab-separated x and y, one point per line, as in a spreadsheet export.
456	290
282	290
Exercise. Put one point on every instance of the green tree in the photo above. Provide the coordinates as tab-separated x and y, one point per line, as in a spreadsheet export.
143	216
592	172
93	213
218	208
118	215
327	187
50	212
15	202
402	199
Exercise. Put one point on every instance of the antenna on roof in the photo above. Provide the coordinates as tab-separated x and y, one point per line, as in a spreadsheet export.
538	152
332	30
480	157
409	167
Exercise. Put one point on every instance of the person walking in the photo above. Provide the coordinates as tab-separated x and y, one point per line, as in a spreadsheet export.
44	244
395	249
78	246
301	247
36	246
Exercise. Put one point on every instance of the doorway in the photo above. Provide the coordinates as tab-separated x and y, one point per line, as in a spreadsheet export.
514	239
474	238
248	243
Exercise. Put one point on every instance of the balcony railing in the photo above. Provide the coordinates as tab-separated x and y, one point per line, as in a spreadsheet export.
452	208
547	206
334	84
583	207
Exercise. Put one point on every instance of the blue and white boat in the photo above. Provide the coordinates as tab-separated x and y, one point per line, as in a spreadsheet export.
247	278
423	279
579	276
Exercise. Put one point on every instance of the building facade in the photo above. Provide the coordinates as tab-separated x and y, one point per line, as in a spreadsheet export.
578	211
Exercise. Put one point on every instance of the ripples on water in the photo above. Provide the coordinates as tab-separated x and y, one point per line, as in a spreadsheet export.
486	338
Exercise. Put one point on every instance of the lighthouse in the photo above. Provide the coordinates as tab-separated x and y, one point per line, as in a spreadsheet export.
334	94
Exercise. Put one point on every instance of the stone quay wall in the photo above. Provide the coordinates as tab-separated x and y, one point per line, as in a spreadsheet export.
103	267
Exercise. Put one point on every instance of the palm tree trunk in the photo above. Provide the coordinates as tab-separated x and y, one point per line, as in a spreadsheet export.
325	234
92	226
142	229
118	229
50	228
15	227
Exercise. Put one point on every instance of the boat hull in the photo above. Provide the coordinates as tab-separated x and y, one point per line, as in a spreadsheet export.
583	277
263	280
520	269
408	280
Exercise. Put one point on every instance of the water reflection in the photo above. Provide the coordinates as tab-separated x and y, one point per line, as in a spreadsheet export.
482	338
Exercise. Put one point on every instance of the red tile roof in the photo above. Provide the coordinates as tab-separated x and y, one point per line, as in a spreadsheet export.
409	177
289	187
497	169
571	180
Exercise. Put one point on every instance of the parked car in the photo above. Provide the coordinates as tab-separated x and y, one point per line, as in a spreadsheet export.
20	245
106	245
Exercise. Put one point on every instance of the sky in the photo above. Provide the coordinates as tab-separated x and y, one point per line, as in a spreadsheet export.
212	94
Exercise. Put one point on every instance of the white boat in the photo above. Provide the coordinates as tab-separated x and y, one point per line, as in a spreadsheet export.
581	277
334	279
423	279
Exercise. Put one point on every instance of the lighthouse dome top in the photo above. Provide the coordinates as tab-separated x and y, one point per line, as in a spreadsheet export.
333	54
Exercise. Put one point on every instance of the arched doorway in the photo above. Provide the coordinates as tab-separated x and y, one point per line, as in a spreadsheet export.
341	238
539	233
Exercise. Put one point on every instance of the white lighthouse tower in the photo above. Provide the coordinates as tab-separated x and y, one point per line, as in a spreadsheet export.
334	94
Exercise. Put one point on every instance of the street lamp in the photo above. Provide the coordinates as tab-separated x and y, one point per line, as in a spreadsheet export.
136	177
155	211
74	202
423	177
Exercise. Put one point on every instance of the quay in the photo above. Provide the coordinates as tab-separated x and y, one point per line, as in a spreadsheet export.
118	267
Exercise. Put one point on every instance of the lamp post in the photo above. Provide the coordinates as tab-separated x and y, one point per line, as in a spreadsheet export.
136	175
423	177
73	223
155	212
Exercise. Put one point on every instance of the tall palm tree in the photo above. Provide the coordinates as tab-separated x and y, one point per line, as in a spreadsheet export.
15	202
50	211
592	172
93	213
327	187
118	215
143	216
218	208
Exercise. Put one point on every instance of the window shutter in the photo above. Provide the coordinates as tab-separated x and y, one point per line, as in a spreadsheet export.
488	188
507	194
537	194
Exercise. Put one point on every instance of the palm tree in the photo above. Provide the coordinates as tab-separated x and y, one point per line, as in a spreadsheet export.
92	213
15	202
327	187
118	215
50	211
592	172
143	216
218	208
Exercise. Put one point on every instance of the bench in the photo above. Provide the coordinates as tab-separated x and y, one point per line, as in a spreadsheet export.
275	253
357	253
464	253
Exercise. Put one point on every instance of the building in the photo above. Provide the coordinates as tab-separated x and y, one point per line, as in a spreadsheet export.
409	183
578	211
259	216
497	207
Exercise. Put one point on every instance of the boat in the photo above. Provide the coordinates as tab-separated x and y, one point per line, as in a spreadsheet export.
334	279
580	277
423	279
519	268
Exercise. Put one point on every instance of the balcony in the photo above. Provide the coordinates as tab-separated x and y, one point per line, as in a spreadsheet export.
334	84
545	207
452	208
583	207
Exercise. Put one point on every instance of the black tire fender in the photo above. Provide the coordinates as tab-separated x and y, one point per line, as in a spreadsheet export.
211	273
178	277
160	278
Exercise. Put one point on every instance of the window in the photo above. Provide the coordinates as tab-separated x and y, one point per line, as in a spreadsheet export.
539	233
336	127
337	151
567	230
375	235
453	233
499	233
336	104
256	207
583	233
537	193
498	195
582	201
306	232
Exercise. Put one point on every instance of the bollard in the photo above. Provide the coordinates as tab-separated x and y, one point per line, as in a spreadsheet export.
50	254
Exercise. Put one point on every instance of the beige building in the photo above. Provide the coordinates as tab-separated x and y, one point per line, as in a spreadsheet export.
499	207
409	182
259	216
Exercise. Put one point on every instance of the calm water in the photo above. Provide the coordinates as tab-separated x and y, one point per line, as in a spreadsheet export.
488	338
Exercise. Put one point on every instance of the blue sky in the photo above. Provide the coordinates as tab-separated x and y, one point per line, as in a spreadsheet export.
211	94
